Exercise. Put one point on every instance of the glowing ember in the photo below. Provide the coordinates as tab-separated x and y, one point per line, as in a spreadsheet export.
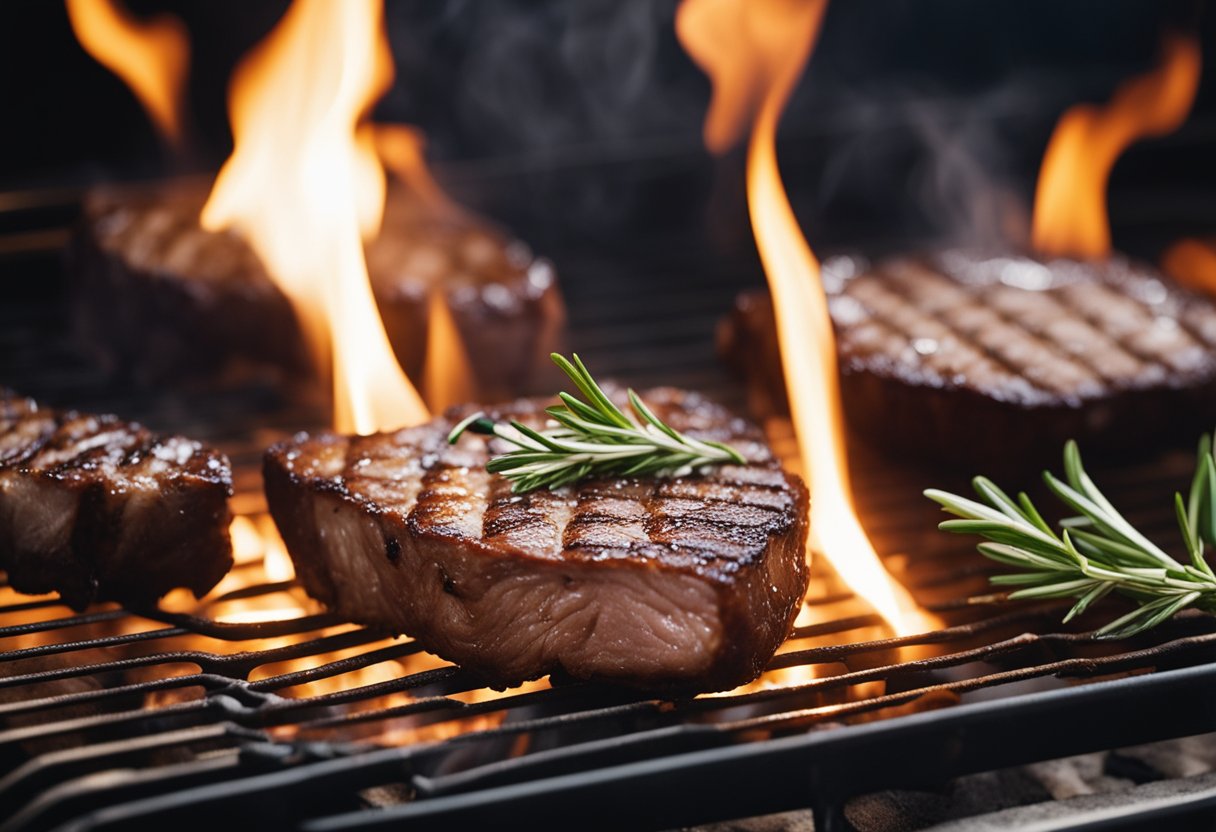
276	563
150	56
754	52
1070	201
1192	263
258	616
304	188
247	541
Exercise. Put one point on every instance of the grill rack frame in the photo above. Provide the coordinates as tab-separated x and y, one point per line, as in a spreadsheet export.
819	769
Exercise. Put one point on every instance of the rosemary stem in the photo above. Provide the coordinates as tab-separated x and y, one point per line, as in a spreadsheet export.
591	436
1097	551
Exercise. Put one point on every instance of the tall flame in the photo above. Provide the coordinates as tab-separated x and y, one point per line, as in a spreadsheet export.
1070	201
150	56
304	185
754	52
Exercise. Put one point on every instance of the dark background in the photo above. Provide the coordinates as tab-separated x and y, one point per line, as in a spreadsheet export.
917	119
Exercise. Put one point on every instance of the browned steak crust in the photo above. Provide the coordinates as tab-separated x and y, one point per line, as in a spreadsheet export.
997	361
99	509
160	298
671	584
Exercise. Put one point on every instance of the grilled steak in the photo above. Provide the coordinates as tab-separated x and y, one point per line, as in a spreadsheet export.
670	584
997	361
100	509
158	298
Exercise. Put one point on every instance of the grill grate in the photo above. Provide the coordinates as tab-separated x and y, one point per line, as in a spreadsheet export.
117	718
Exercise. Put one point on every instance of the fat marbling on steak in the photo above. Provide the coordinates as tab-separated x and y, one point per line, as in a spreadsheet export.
685	584
995	361
99	509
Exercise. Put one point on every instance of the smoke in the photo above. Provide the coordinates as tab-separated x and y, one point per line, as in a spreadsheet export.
892	135
534	77
504	78
966	180
936	169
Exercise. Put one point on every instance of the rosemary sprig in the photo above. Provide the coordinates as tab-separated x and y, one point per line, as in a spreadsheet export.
592	437
1097	551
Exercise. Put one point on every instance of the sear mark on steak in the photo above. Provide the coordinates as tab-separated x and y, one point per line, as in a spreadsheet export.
665	584
997	361
159	298
99	509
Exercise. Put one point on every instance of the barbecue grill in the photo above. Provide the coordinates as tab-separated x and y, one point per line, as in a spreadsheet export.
119	718
258	705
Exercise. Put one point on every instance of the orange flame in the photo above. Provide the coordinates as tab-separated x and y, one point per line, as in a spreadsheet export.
447	374
1070	201
150	56
754	52
303	187
402	150
1192	263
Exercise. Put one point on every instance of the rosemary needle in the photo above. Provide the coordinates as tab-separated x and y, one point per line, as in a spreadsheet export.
592	437
1097	551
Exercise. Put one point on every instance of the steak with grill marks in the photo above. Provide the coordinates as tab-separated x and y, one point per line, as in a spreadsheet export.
683	584
99	509
997	361
159	299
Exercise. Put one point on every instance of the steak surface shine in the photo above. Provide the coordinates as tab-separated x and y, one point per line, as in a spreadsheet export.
683	584
99	509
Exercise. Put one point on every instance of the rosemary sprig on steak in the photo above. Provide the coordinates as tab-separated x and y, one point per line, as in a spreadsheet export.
592	437
1098	551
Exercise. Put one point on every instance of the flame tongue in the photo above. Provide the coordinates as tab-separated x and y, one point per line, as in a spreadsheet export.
304	188
754	54
150	56
755	50
401	149
1070	200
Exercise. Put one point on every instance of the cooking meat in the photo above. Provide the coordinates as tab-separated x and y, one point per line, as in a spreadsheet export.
157	297
997	361
99	509
671	584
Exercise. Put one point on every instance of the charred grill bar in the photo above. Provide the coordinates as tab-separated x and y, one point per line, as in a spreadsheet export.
118	718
